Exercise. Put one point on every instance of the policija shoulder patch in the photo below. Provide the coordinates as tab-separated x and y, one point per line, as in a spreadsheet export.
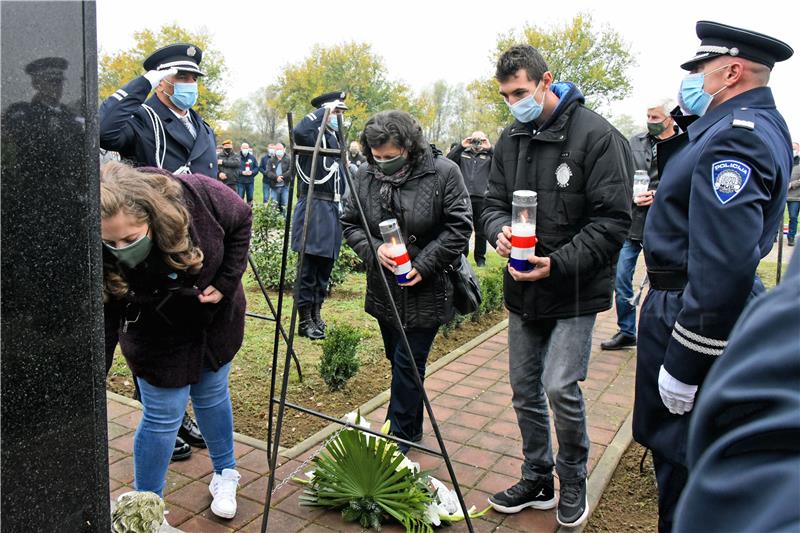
729	178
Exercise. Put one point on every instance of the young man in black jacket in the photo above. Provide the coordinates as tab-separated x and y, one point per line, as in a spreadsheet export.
581	169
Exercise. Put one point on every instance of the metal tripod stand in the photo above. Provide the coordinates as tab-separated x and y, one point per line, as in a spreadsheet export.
315	152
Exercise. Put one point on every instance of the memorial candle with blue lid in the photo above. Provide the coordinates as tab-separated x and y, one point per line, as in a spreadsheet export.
523	229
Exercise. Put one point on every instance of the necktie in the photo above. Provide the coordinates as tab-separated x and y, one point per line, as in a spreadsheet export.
189	126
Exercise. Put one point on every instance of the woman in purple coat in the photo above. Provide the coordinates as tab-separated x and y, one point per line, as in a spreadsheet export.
174	251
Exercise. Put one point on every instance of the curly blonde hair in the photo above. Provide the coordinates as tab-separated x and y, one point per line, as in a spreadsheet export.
154	199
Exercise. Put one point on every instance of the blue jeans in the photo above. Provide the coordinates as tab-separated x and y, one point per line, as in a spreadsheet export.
626	265
163	412
406	408
245	189
279	195
794	210
550	357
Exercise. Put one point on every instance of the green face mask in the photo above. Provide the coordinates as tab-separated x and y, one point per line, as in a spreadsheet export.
655	128
134	253
390	166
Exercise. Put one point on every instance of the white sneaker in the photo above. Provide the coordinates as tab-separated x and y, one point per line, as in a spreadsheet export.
223	490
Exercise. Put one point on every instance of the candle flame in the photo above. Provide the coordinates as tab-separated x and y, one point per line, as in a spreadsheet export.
524	216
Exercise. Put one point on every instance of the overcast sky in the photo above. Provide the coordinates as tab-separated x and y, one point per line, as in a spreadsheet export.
422	41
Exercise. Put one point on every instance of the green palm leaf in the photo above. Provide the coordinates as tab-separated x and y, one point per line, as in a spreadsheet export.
359	474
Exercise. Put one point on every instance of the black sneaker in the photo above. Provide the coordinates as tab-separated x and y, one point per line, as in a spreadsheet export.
537	494
573	505
619	341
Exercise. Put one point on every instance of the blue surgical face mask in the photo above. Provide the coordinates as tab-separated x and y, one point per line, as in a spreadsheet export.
692	97
279	153
527	109
184	95
334	122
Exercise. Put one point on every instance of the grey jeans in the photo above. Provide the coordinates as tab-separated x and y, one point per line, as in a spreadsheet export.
550	357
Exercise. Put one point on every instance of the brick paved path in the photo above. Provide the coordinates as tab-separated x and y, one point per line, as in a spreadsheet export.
471	397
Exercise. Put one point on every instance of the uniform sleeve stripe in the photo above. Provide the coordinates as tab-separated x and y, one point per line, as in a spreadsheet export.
695	347
118	97
122	93
699	338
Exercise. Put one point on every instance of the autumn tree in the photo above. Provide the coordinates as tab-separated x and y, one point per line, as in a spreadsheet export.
596	60
350	67
118	68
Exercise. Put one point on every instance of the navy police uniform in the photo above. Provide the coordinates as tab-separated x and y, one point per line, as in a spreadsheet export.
744	437
719	204
144	130
324	238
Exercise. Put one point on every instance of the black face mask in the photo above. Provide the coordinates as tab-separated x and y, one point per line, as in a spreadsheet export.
228	150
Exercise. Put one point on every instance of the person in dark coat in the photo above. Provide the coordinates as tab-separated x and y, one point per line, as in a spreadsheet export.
229	166
406	180
474	158
174	251
744	438
324	237
165	132
580	166
719	204
660	127
278	171
248	168
161	131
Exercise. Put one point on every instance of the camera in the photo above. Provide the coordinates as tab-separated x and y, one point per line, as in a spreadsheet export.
475	142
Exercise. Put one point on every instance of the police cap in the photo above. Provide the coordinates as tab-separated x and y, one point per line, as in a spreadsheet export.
718	39
183	56
52	67
334	96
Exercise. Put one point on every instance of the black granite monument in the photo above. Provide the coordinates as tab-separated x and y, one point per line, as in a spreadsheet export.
52	371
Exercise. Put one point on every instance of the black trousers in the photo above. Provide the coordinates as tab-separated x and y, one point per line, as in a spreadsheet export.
671	480
480	238
405	403
312	285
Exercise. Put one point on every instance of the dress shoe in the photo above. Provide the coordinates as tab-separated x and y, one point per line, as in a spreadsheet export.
307	327
480	262
619	341
790	242
182	450
190	432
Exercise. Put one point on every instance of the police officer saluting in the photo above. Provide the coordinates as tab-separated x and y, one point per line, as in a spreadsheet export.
720	201
324	237
162	131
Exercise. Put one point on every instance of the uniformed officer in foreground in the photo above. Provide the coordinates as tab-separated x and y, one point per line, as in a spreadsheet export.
324	237
162	131
719	204
743	440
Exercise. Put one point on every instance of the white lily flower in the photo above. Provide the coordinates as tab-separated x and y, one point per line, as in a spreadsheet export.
432	514
356	419
447	498
407	463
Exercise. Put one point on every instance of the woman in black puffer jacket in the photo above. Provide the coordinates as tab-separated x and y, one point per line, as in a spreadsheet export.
410	181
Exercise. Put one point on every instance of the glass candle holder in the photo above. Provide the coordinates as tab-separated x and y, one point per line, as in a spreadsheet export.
523	229
641	182
390	231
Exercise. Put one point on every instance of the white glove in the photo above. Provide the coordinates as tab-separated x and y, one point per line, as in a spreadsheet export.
333	106
677	396
155	76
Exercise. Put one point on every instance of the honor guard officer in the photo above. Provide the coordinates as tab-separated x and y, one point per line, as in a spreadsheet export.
719	204
162	131
324	228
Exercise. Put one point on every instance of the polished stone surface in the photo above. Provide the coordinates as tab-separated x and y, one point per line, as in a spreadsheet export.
54	453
